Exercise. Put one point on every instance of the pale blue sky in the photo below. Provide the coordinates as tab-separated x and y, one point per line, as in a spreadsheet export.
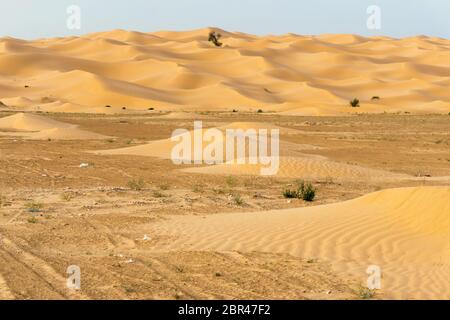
30	19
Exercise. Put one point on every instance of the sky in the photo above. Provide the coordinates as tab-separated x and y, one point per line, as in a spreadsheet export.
31	19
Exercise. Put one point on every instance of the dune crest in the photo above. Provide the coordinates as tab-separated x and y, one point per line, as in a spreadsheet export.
292	74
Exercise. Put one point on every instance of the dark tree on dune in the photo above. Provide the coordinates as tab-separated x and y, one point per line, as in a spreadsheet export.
214	38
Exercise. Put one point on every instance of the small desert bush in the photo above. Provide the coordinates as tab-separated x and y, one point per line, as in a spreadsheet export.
375	98
136	184
197	188
307	191
231	181
365	293
354	103
260	111
158	194
34	206
237	199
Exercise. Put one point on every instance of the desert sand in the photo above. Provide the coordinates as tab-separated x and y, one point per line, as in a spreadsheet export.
182	71
86	176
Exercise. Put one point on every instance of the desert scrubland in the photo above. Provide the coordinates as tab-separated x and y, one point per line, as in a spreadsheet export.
87	176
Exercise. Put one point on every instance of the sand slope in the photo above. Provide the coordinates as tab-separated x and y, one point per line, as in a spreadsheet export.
293	74
36	127
405	231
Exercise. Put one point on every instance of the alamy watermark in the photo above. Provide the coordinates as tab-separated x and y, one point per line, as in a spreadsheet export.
212	146
74	277
374	19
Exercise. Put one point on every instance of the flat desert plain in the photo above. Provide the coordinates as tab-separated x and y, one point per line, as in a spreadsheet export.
87	180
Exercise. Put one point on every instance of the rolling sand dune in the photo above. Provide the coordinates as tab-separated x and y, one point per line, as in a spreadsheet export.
311	167
291	74
35	127
405	231
293	162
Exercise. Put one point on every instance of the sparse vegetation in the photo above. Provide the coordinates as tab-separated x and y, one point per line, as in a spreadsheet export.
231	181
375	98
158	194
107	106
259	111
151	109
32	220
197	188
237	199
136	184
34	207
66	196
214	38
354	103
290	194
307	191
3	200
365	293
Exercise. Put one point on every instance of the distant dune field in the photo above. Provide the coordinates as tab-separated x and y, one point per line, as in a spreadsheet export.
288	74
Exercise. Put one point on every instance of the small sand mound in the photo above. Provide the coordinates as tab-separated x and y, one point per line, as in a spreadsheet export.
32	126
406	232
30	122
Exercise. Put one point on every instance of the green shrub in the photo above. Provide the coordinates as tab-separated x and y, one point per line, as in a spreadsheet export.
290	194
136	184
354	103
305	191
231	181
32	220
34	206
214	38
238	199
365	293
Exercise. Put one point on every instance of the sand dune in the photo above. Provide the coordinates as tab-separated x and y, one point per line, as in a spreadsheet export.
163	148
405	231
292	74
36	127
